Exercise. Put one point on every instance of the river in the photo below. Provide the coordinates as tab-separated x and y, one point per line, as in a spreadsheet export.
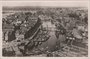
50	44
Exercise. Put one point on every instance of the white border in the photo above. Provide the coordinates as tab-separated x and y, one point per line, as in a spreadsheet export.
9	3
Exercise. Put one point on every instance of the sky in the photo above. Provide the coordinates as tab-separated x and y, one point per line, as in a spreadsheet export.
47	3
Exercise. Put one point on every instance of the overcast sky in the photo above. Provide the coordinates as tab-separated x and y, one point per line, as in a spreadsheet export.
47	3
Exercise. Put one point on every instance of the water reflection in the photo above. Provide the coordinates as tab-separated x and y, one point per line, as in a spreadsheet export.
51	43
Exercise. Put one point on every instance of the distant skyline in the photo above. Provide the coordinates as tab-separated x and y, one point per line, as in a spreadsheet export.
47	3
